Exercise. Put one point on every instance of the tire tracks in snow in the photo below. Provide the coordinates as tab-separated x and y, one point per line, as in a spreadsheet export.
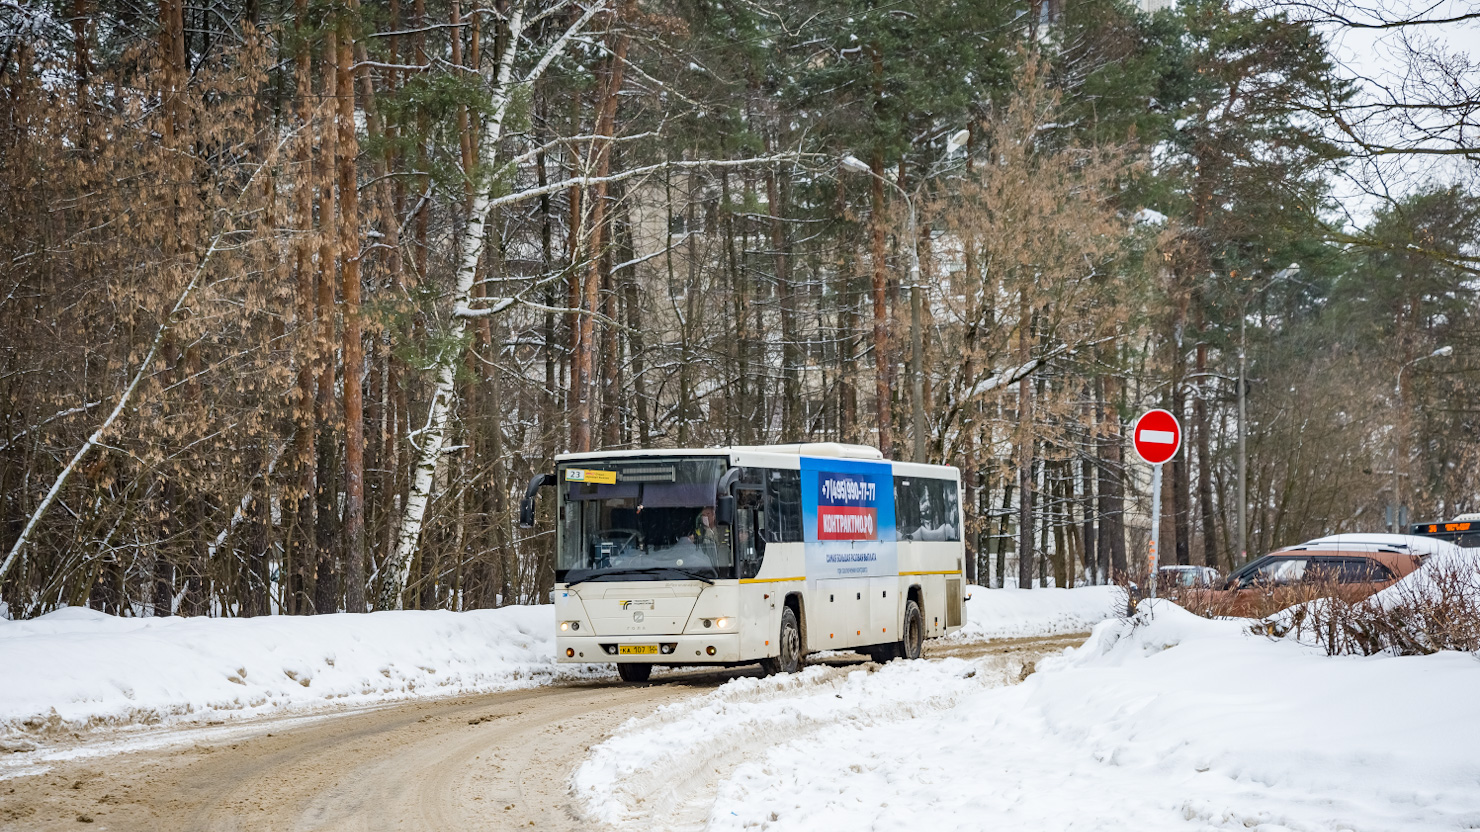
475	762
663	771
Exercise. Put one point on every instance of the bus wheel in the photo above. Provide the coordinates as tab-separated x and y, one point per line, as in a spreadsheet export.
788	647
634	672
913	643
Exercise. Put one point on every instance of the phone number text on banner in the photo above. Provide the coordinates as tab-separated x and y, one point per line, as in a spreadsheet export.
848	518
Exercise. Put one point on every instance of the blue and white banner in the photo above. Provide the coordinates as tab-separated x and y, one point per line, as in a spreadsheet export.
848	518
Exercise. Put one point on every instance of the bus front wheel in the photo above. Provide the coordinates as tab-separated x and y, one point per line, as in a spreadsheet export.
788	647
634	672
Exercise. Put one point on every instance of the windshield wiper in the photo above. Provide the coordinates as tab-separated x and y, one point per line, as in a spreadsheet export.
616	574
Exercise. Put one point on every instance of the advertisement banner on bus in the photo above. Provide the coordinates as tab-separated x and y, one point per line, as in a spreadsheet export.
848	518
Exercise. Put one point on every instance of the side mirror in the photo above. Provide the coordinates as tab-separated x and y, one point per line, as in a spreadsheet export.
724	511
526	506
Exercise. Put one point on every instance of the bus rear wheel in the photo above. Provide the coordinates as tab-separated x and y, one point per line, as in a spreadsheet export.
788	646
634	672
912	645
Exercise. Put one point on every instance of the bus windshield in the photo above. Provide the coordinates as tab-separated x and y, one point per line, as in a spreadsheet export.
655	521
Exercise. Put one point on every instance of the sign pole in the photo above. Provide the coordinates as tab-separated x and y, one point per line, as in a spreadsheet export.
1155	522
1157	436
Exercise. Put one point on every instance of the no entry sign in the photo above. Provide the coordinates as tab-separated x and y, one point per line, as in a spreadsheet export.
1157	436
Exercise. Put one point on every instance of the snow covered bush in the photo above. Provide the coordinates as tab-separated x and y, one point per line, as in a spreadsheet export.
1214	602
1435	608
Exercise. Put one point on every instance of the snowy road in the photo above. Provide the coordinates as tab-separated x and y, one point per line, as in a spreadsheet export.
496	761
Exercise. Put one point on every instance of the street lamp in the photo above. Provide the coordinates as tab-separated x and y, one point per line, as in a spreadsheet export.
917	338
1400	430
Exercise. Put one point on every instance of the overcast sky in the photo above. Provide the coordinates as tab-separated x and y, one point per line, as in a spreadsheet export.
1378	59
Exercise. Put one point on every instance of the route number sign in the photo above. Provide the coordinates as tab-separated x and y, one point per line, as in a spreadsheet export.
1157	436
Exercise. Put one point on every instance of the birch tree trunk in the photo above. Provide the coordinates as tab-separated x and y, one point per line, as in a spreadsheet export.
434	432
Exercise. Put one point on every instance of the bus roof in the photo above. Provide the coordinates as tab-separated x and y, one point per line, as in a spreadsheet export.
783	456
832	449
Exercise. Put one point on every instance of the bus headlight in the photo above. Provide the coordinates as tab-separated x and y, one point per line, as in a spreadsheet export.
570	625
722	623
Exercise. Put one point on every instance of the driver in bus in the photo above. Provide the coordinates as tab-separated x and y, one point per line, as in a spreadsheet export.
703	532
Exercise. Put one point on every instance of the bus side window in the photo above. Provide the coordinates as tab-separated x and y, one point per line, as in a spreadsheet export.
747	548
750	543
950	500
783	506
906	506
927	509
769	517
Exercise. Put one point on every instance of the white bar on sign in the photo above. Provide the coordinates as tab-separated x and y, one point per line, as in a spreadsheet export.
1158	437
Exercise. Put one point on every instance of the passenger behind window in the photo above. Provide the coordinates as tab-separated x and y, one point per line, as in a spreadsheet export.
936	512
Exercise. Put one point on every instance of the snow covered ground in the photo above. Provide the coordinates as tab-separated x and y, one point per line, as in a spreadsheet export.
1162	721
77	669
1019	613
1165	721
660	771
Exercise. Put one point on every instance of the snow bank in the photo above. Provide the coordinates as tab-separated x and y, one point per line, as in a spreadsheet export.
1166	721
1018	613
656	767
77	669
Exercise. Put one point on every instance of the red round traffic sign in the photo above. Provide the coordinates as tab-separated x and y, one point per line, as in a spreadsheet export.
1157	436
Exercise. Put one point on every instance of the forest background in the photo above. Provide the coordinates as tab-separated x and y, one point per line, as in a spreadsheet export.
297	295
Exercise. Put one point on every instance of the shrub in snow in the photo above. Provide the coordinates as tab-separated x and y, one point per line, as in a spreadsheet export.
1211	602
1435	608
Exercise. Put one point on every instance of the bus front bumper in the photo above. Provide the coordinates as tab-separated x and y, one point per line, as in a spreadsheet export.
689	649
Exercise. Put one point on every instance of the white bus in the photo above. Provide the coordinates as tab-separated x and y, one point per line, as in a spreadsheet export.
729	556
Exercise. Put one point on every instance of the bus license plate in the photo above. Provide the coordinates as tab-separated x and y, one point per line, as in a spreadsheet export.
637	650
